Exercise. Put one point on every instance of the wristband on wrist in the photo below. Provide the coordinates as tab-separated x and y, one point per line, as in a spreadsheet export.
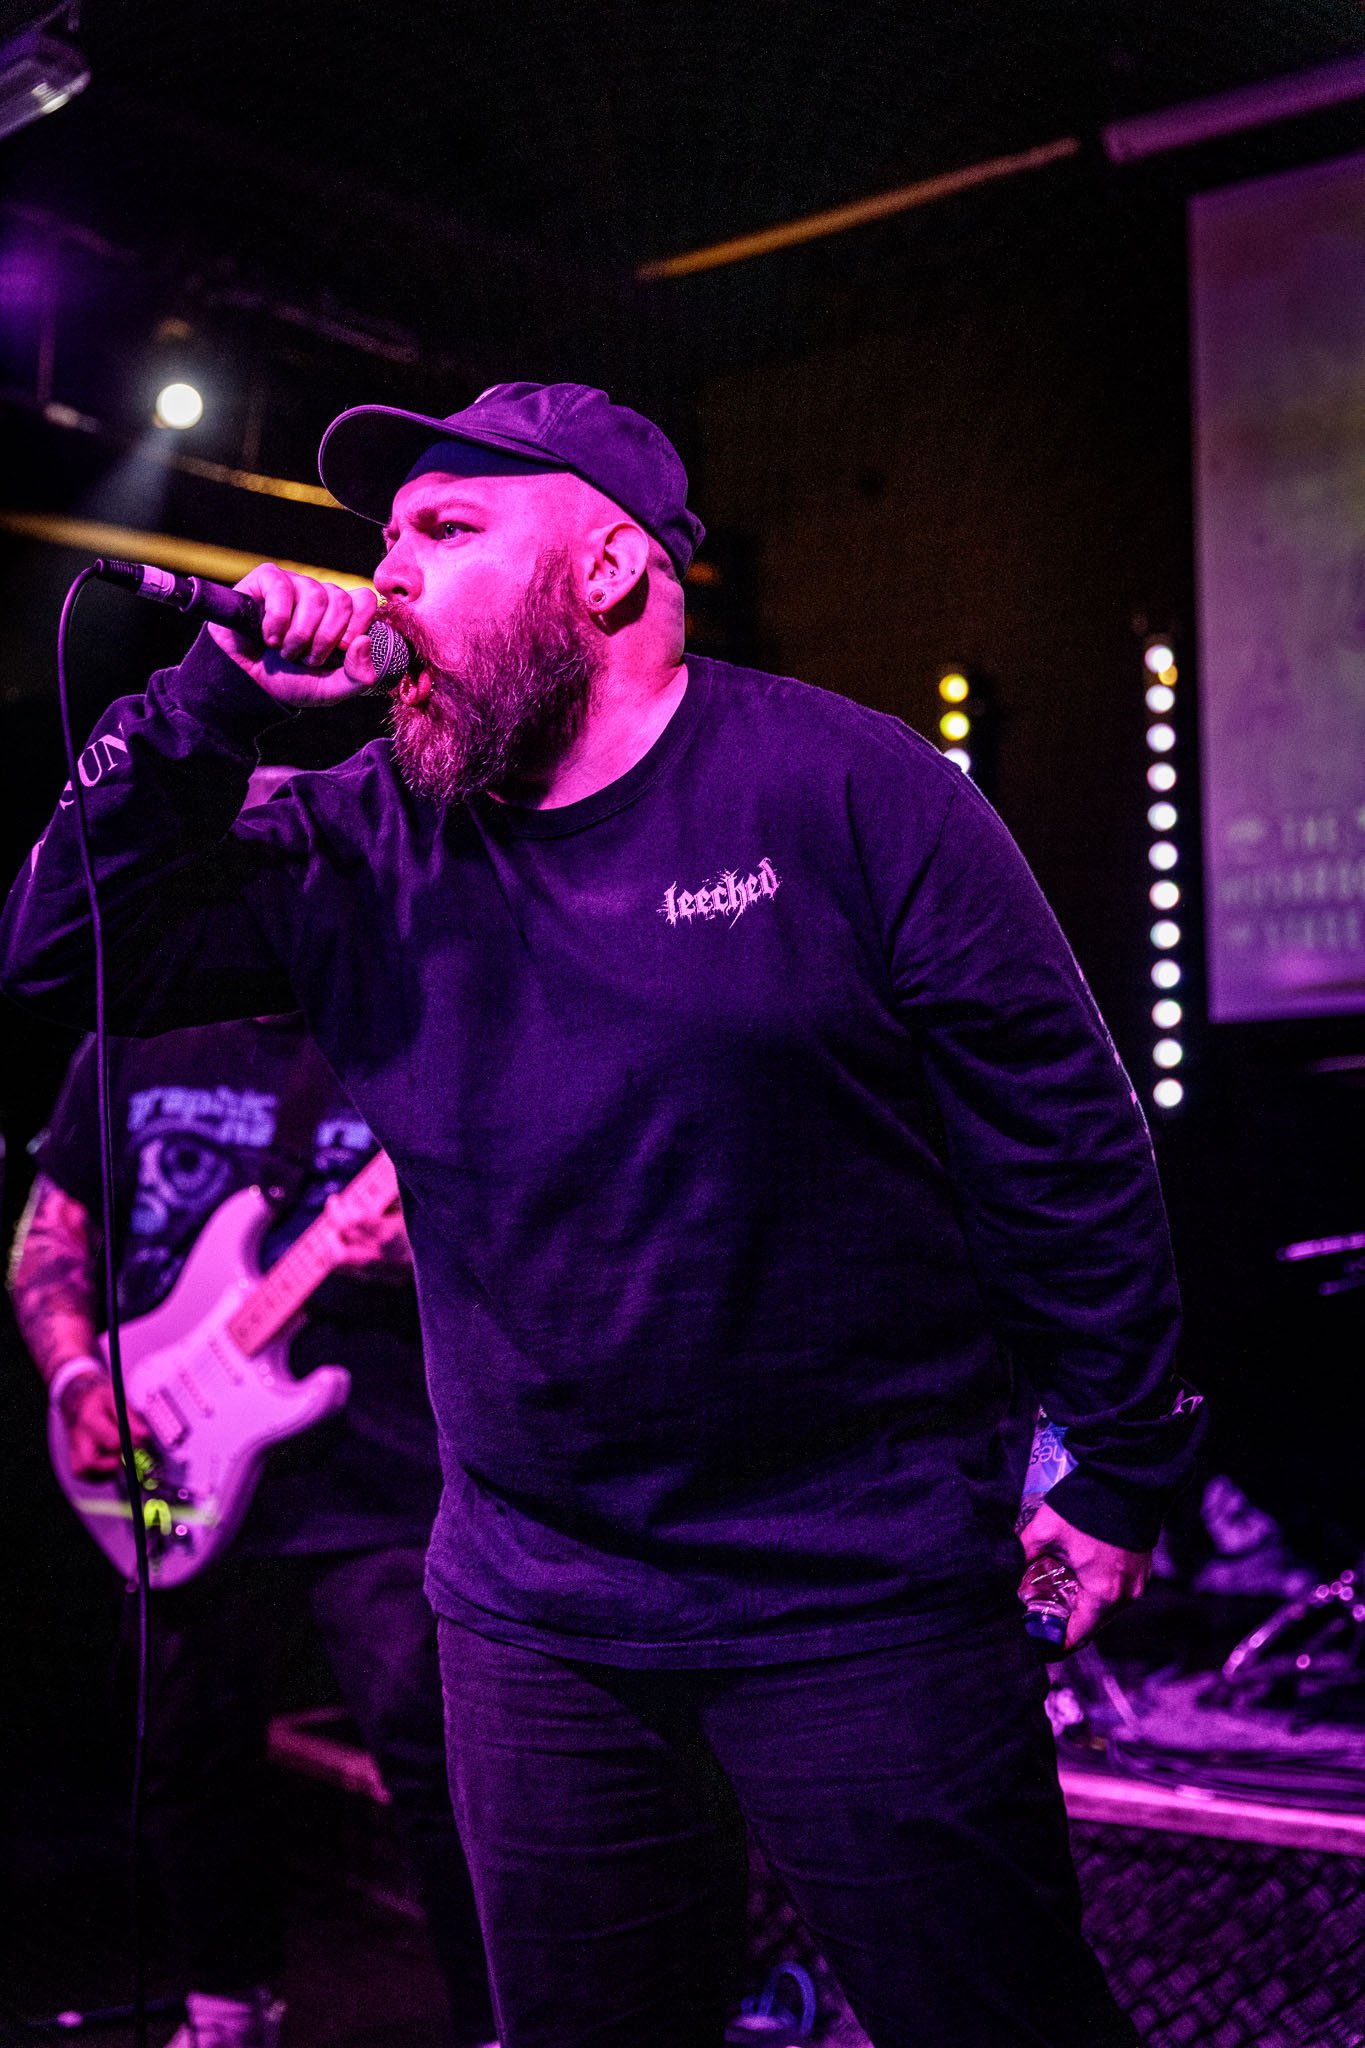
73	1369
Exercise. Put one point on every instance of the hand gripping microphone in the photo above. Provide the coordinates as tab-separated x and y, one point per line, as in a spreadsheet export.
197	598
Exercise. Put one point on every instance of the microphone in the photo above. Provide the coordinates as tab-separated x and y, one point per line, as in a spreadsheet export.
197	598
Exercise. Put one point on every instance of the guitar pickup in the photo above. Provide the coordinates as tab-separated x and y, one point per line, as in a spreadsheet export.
165	1419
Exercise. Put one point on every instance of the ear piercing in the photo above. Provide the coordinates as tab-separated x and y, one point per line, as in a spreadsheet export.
597	597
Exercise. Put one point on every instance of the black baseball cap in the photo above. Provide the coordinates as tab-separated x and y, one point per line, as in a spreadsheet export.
368	452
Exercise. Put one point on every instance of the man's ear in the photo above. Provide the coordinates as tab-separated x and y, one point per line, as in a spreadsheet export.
618	558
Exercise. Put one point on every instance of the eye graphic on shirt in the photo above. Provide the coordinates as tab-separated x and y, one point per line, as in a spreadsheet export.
178	1177
727	895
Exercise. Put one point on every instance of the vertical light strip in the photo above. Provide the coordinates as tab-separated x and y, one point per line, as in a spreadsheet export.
1165	892
955	721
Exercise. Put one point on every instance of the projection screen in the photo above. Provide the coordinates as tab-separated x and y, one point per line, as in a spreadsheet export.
1278	298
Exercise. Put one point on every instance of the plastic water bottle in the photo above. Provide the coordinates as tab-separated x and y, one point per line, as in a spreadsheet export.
1048	1588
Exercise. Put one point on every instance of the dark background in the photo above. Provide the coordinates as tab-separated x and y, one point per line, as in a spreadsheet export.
960	436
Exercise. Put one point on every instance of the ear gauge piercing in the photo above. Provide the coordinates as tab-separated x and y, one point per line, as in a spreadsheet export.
597	597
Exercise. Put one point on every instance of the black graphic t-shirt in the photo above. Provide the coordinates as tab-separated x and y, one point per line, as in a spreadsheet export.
195	1118
758	1137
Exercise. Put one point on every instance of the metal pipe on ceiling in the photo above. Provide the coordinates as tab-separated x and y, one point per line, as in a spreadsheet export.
1145	135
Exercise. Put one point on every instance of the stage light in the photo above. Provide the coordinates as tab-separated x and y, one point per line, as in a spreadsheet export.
38	74
1158	677
966	723
178	406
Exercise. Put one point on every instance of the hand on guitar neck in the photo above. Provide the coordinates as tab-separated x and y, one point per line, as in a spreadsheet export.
368	1246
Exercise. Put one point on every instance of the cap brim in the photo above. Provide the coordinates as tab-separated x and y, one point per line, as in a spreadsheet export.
367	452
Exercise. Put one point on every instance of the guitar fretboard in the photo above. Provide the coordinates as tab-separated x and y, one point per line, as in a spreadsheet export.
304	1267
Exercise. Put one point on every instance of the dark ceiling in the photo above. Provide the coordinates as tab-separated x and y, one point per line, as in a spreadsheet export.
355	192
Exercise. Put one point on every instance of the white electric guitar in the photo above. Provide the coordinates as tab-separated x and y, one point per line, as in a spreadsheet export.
208	1371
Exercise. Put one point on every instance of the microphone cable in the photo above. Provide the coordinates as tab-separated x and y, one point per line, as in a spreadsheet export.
132	1476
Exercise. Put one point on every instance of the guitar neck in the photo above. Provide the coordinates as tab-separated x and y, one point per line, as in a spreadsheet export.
277	1299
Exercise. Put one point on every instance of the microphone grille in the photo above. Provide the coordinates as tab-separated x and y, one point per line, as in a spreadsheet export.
390	653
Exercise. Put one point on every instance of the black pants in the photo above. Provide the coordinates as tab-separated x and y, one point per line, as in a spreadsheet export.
908	1798
208	1791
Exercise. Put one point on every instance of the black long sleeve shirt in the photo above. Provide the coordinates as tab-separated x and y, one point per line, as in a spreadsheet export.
756	1131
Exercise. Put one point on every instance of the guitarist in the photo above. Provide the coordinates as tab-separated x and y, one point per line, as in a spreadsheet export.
340	1519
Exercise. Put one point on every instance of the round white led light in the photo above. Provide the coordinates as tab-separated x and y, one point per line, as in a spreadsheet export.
1161	738
1161	775
1161	697
1162	817
1168	1093
1162	854
178	406
1166	973
1166	1014
959	757
1165	932
1158	657
1163	895
1167	1052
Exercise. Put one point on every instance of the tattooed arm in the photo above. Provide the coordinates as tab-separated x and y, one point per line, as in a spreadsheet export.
52	1277
52	1288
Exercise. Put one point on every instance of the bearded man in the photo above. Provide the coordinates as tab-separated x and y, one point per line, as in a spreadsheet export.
761	1149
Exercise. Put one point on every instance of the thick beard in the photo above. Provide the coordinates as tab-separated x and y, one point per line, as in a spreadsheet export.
517	701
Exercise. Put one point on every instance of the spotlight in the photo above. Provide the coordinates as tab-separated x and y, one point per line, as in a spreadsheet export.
1159	656
955	725
954	688
1168	1093
38	74
1161	738
178	406
1161	775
